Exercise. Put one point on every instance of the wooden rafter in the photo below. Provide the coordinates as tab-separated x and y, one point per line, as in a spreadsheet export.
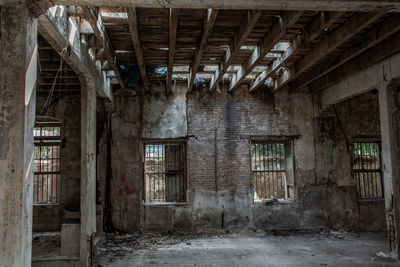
102	35
245	28
134	31
173	25
373	37
323	21
277	32
344	33
316	5
372	56
208	25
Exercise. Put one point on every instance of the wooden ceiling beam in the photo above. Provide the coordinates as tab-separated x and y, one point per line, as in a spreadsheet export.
134	31
372	38
245	28
313	5
372	56
173	25
208	26
355	25
102	35
271	39
323	21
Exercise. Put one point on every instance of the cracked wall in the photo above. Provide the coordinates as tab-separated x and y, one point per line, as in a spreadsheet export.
219	129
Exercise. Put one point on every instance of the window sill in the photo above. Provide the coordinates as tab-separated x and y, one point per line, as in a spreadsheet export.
46	205
370	200
271	201
165	204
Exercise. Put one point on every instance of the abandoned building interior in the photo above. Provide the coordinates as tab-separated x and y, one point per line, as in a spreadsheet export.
216	133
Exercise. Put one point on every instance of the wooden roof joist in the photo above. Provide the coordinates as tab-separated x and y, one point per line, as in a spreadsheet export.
173	24
373	37
250	20
208	25
102	35
372	56
134	32
292	47
323	21
358	23
294	5
266	46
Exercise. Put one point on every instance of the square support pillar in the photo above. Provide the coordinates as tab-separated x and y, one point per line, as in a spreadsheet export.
390	134
18	69
88	170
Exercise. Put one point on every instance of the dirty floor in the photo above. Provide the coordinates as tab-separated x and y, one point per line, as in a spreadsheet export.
246	249
46	245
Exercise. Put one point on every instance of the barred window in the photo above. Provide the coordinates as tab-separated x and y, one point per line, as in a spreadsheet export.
272	165
367	170
165	174
46	187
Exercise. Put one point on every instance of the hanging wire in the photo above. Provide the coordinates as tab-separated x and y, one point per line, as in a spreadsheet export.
47	103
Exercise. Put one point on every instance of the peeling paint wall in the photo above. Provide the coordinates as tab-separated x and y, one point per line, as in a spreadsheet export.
219	129
63	108
354	118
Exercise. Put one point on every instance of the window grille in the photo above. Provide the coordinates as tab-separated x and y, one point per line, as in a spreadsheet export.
272	170
165	175
367	170
47	138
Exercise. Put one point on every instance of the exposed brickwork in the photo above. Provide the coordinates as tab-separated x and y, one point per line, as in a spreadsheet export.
221	127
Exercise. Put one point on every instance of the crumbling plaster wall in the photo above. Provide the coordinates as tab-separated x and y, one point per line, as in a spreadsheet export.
136	118
219	129
63	108
355	118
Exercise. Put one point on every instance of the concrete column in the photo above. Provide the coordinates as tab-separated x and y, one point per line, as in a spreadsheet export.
18	63
390	134
88	169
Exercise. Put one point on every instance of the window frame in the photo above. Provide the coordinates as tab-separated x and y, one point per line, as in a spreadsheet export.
43	141
285	141
185	176
380	171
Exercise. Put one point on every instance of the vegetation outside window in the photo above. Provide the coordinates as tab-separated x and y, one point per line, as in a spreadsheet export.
367	170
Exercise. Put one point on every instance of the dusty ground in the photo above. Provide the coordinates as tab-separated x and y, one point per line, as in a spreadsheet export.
46	245
245	249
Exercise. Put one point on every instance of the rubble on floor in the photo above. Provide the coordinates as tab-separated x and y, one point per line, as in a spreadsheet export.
250	248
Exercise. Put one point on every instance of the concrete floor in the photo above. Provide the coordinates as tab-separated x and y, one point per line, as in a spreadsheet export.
46	251
249	249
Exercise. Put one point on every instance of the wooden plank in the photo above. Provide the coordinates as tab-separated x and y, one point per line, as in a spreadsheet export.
323	21
134	31
344	33
101	34
173	25
376	54
246	26
277	32
315	5
376	35
208	26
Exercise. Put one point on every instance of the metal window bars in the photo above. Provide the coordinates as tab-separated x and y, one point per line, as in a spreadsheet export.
367	170
47	169
165	177
272	170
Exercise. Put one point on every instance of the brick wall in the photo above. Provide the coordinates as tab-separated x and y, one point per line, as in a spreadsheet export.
219	128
